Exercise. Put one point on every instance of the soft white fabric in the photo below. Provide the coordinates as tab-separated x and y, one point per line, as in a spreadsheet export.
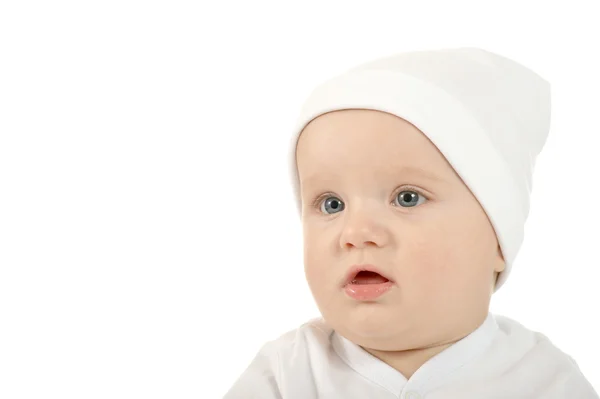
488	115
502	359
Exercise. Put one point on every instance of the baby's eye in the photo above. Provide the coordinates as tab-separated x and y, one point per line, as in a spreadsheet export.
411	198
405	199
332	203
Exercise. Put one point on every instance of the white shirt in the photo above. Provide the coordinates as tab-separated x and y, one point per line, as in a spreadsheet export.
500	360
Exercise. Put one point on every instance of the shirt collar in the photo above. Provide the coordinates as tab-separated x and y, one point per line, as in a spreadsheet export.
431	374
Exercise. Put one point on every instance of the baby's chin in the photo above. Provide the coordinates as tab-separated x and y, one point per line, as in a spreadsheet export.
377	326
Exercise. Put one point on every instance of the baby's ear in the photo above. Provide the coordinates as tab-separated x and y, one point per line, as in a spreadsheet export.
500	265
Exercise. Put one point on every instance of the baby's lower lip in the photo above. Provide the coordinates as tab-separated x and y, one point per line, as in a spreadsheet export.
367	292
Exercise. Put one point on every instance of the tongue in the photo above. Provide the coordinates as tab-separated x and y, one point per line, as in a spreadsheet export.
369	278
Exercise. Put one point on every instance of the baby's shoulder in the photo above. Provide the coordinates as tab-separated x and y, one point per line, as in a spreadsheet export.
535	354
294	350
314	333
283	362
524	341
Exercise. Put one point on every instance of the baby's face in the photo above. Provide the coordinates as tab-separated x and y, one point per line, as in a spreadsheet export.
429	234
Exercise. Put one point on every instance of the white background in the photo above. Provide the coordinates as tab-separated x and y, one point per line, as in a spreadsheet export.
149	244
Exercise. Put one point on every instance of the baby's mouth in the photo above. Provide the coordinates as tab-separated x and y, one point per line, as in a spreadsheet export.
366	285
368	277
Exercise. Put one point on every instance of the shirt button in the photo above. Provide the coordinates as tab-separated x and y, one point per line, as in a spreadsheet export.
412	395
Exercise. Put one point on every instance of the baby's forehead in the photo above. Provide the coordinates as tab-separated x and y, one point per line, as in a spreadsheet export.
415	173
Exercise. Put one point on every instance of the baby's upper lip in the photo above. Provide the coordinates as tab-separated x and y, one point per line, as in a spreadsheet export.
355	269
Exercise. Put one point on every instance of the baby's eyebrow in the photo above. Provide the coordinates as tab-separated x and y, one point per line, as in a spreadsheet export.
403	171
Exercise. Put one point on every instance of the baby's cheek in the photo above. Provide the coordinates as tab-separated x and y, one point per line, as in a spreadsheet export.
323	287
316	270
432	264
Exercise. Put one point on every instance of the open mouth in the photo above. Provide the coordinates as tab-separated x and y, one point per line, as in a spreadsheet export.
366	285
368	277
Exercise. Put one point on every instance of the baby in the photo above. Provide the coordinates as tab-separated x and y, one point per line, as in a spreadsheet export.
412	175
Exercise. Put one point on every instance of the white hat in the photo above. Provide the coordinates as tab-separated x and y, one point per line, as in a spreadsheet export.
488	115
